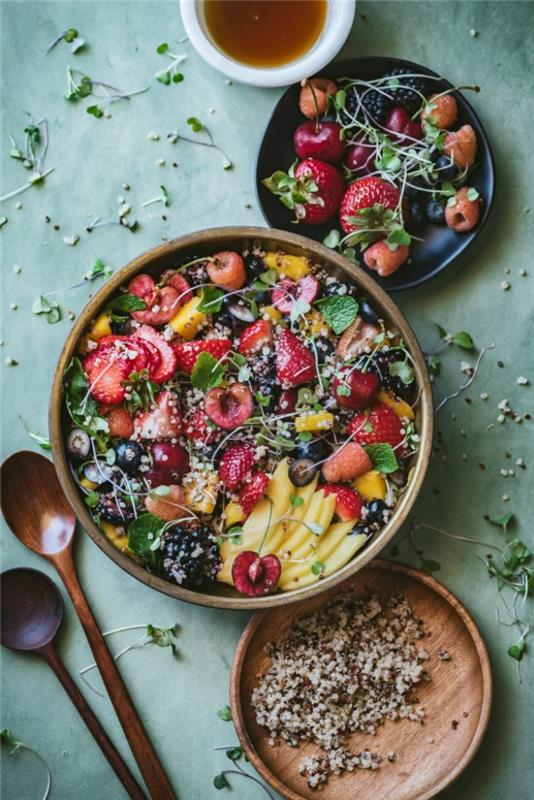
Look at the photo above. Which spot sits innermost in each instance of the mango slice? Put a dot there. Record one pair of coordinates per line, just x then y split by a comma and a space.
293, 267
371, 485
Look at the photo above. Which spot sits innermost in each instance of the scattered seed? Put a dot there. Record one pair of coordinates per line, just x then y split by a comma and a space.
18, 205
505, 286
430, 739
160, 162
71, 315
454, 724
47, 218
522, 381
55, 226
504, 472
500, 418
519, 462
228, 82
10, 362
482, 466
505, 498
511, 473
500, 364
126, 187
13, 306
153, 136
507, 271
522, 272
70, 241
473, 33
484, 395
464, 456
17, 269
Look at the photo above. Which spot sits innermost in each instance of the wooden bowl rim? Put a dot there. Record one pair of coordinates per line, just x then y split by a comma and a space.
432, 584
287, 242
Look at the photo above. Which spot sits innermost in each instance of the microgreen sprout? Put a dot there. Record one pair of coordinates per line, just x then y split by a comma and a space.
198, 127
170, 74
32, 155
70, 36
81, 86
46, 306
160, 198
468, 382
17, 746
235, 753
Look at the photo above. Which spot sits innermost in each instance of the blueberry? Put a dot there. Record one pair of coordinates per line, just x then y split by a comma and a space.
375, 511
435, 212
128, 455
262, 298
445, 169
416, 213
254, 266
240, 311
337, 288
324, 348
367, 312
302, 471
315, 449
78, 444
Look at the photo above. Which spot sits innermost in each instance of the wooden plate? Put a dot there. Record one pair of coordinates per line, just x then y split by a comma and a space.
457, 701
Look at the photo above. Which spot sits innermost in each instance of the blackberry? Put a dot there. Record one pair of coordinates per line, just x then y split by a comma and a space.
190, 553
337, 288
380, 364
405, 94
114, 508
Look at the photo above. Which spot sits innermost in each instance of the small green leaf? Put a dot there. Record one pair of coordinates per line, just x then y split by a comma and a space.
368, 426
177, 77
340, 98
162, 48
207, 372
342, 390
434, 365
305, 436
383, 457
163, 76
428, 566
92, 499
42, 441
195, 124
472, 194
125, 302
70, 35
504, 521
516, 650
97, 270
220, 781
295, 500
234, 753
269, 277
235, 534
398, 236
402, 370
463, 340
339, 311
96, 111
143, 533
225, 713
317, 568
442, 332
212, 300
332, 239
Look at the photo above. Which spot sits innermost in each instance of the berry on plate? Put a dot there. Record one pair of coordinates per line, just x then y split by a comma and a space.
313, 190
255, 576
187, 352
383, 259
380, 425
359, 201
461, 146
355, 389
319, 140
236, 463
346, 462
348, 501
440, 111
314, 96
295, 364
462, 215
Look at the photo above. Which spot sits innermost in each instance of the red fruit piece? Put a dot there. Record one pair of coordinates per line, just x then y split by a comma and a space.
172, 278
229, 408
131, 350
170, 457
347, 462
313, 190
288, 291
440, 111
187, 352
461, 146
398, 122
348, 501
313, 98
162, 421
253, 491
464, 214
382, 259
287, 401
236, 463
196, 428
366, 193
167, 366
255, 336
255, 576
359, 157
105, 372
363, 388
227, 270
380, 425
319, 140
356, 339
162, 304
295, 364
119, 420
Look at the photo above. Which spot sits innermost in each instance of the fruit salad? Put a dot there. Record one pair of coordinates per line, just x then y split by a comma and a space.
386, 157
245, 418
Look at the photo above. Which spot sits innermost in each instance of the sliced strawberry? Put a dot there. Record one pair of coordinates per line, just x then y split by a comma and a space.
128, 348
119, 420
196, 428
187, 352
348, 501
253, 491
380, 425
229, 408
105, 373
288, 291
295, 364
255, 576
172, 278
154, 355
255, 336
162, 421
355, 389
167, 366
236, 463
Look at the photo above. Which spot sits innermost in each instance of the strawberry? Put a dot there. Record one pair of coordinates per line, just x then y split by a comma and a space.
255, 576
133, 351
313, 190
105, 372
287, 291
461, 146
295, 364
348, 501
379, 425
196, 428
227, 269
162, 304
346, 462
253, 491
167, 366
236, 463
355, 389
255, 336
187, 352
119, 420
382, 259
163, 421
359, 201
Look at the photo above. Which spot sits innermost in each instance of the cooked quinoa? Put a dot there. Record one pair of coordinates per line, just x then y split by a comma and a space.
347, 667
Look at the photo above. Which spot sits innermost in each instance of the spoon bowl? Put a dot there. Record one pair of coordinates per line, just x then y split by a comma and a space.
32, 609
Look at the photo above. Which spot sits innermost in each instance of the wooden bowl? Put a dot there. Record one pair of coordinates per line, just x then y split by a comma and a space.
428, 757
204, 243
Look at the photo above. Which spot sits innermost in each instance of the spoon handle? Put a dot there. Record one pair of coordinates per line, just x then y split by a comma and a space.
154, 776
104, 742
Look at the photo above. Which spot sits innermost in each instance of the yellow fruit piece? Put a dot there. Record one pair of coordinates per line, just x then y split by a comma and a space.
271, 312
315, 324
322, 421
188, 320
295, 515
100, 327
87, 484
306, 540
336, 549
233, 514
293, 267
371, 485
400, 408
201, 496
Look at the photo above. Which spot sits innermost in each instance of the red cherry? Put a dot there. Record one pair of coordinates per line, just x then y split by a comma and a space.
287, 402
397, 119
359, 158
319, 140
414, 130
170, 457
255, 576
229, 408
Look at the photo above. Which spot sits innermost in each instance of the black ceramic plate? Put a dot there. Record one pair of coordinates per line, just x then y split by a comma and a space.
441, 245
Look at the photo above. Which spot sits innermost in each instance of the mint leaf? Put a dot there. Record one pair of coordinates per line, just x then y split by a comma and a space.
463, 340
383, 458
125, 302
162, 48
339, 311
143, 534
212, 300
402, 370
206, 373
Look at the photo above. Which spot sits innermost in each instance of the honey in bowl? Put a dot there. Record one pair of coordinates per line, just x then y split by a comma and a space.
265, 33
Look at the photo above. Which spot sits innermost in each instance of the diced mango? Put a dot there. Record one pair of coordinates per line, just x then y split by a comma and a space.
315, 324
321, 421
101, 327
233, 514
371, 485
271, 312
188, 320
400, 407
87, 484
202, 496
293, 267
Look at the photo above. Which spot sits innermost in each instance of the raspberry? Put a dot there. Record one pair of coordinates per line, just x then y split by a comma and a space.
347, 462
236, 463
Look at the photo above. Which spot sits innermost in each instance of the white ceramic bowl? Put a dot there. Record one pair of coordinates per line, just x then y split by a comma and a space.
339, 20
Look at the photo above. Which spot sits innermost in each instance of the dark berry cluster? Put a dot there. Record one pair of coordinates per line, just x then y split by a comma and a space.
408, 94
190, 553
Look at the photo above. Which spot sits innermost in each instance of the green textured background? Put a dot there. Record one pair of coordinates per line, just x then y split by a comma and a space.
178, 699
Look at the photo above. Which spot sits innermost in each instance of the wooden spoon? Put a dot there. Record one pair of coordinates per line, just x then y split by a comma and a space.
32, 610
39, 515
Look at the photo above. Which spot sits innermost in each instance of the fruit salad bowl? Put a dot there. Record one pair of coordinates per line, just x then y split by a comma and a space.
241, 418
